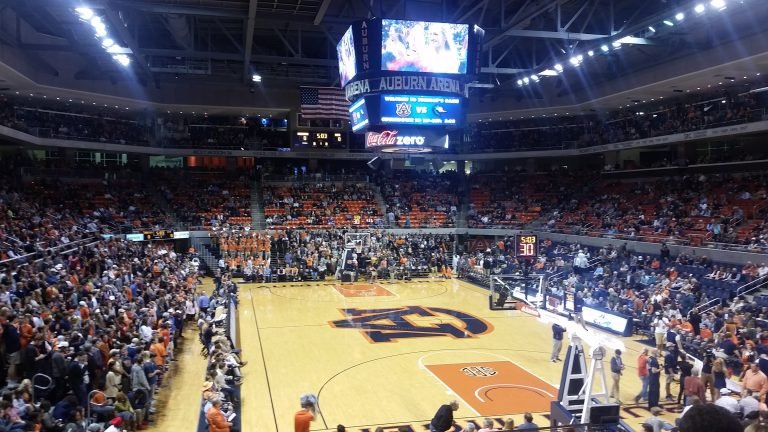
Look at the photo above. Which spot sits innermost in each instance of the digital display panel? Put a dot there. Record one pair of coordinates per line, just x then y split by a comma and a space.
606, 320
347, 60
421, 110
526, 245
417, 46
319, 139
358, 115
406, 141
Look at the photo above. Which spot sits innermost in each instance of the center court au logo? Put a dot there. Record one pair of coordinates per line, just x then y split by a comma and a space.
391, 324
478, 371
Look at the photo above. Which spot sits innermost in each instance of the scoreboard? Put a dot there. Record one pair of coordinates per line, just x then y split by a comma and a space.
526, 245
319, 139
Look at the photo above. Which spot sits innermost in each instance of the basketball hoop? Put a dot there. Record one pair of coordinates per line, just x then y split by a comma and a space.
357, 241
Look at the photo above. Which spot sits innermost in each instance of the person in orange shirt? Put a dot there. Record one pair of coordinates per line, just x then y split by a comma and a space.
158, 349
705, 332
26, 332
686, 326
85, 313
217, 422
305, 416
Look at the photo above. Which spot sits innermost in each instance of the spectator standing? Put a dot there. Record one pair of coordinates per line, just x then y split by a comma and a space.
693, 387
617, 367
642, 373
203, 302
754, 381
670, 368
686, 370
557, 342
654, 377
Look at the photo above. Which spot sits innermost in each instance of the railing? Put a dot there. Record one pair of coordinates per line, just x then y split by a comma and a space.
708, 306
315, 178
617, 236
74, 245
752, 286
49, 133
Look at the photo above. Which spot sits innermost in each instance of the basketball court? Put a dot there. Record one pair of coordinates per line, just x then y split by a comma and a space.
389, 354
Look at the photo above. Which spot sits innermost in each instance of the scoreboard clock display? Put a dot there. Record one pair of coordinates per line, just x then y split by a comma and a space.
526, 245
319, 139
158, 235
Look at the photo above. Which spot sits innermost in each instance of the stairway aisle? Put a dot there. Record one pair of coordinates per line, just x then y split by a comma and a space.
258, 220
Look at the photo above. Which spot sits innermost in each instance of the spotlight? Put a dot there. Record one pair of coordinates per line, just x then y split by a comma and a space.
616, 45
122, 59
106, 43
590, 53
526, 80
256, 78
114, 49
520, 83
680, 16
718, 4
535, 78
574, 61
700, 8
604, 48
652, 29
558, 67
580, 58
669, 23
84, 13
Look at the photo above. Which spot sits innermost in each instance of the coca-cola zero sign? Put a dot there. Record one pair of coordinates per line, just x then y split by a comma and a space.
392, 138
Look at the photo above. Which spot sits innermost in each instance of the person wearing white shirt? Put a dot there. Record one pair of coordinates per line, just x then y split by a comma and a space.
749, 404
762, 270
145, 333
660, 326
727, 401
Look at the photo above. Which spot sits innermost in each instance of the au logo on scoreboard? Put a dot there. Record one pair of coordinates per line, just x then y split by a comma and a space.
391, 324
403, 110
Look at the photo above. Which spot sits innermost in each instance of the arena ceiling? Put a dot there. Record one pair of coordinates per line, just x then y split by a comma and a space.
292, 42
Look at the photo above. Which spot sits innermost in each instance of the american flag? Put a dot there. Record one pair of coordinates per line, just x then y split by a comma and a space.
323, 103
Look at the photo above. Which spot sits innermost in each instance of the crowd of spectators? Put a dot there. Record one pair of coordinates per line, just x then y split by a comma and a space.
105, 316
228, 132
206, 198
220, 391
690, 309
306, 255
705, 111
516, 198
316, 205
420, 200
71, 122
46, 213
695, 208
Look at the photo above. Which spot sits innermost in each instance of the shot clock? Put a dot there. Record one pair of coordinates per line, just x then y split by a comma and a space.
526, 245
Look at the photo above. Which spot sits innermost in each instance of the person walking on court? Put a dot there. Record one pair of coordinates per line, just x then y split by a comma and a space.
617, 366
654, 379
306, 415
642, 373
443, 419
557, 342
